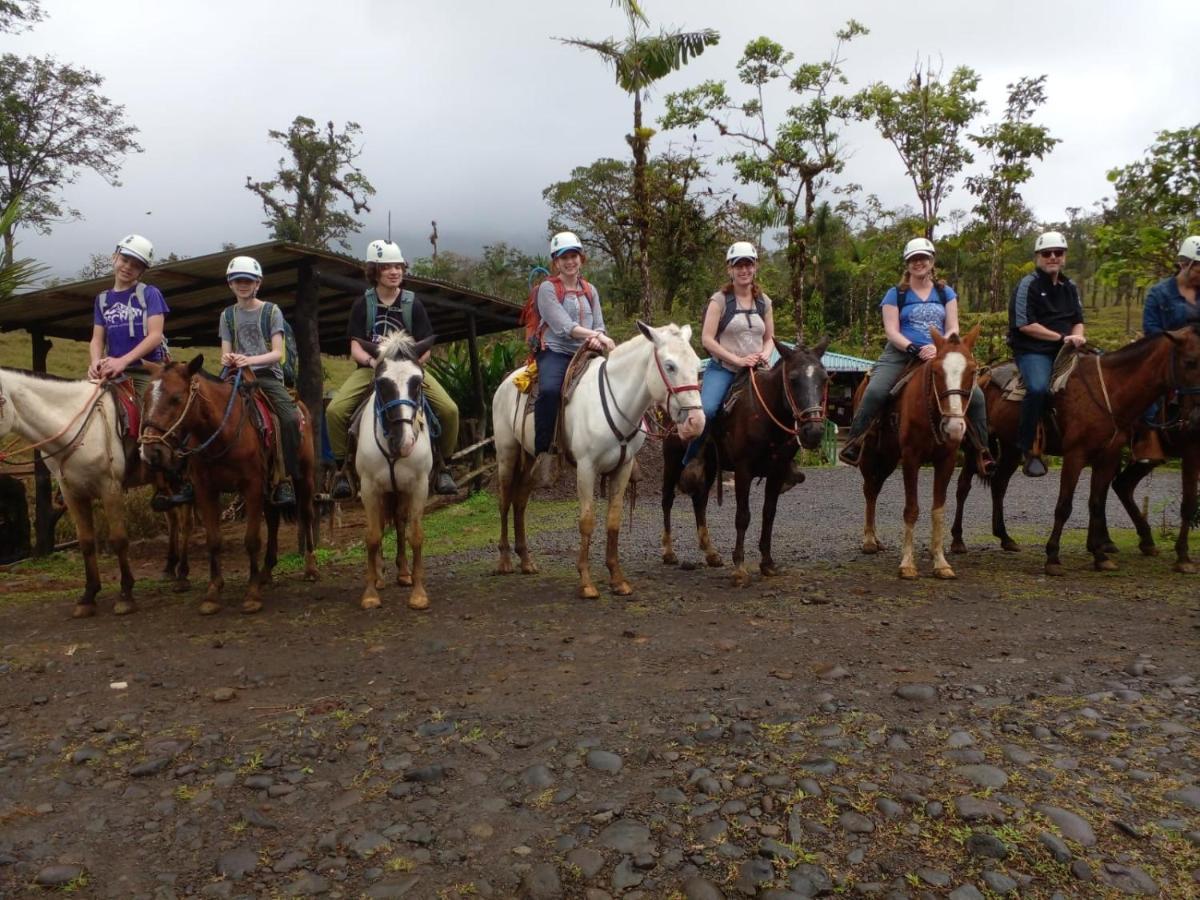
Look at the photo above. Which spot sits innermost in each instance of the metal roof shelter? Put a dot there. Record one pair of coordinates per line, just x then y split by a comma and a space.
196, 292
305, 282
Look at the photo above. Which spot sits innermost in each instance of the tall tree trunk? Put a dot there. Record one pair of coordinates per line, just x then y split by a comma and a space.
9, 244
641, 206
310, 378
796, 252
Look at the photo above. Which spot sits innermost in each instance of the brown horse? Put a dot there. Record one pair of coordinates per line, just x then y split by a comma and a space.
190, 414
1092, 418
931, 409
757, 438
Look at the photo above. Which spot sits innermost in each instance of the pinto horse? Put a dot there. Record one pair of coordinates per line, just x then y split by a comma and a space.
74, 425
931, 408
603, 431
1094, 414
753, 440
394, 462
190, 415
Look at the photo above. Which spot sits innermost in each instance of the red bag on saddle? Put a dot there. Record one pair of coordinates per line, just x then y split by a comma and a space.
532, 319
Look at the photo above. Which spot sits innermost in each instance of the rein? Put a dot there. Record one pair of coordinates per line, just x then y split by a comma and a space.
193, 392
89, 407
800, 418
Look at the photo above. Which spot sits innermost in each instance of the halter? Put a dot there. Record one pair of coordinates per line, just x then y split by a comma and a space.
938, 396
89, 407
381, 410
673, 389
193, 392
800, 417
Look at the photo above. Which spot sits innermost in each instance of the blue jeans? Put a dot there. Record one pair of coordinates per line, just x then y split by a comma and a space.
1035, 372
713, 390
552, 369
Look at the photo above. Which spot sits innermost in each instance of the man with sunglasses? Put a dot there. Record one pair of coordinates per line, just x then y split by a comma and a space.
1045, 313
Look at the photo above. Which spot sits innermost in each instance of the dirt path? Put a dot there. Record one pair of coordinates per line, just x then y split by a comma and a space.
831, 730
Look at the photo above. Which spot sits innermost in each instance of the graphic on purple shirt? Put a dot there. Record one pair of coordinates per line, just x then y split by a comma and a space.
124, 321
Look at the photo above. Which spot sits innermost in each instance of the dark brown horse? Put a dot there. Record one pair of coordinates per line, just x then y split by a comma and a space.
1091, 422
930, 410
190, 414
757, 438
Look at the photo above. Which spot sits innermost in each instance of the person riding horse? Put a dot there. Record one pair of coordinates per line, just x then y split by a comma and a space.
916, 304
383, 309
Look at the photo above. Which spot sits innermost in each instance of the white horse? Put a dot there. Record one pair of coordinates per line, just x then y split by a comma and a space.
74, 425
603, 434
393, 459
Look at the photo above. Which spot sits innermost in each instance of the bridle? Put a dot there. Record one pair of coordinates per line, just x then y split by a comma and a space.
624, 439
938, 410
386, 422
800, 417
177, 447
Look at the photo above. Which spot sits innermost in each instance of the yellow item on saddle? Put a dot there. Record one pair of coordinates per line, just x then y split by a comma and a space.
525, 378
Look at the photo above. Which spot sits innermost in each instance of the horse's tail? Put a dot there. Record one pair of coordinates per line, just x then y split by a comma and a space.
632, 497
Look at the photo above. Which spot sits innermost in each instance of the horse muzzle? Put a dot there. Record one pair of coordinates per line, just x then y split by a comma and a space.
954, 428
158, 456
693, 425
811, 434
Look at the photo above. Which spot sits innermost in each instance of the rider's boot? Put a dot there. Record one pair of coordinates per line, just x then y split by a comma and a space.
342, 488
852, 452
1147, 446
794, 477
284, 494
693, 480
544, 472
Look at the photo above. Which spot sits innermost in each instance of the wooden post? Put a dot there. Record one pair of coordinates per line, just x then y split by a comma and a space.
45, 518
308, 341
481, 402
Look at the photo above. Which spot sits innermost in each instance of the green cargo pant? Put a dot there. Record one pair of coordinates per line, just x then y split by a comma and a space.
351, 393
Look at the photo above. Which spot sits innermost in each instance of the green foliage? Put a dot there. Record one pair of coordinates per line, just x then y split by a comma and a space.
19, 15
924, 120
300, 201
17, 274
54, 126
453, 371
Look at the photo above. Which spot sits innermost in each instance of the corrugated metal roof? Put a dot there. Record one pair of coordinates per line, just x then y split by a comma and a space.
196, 292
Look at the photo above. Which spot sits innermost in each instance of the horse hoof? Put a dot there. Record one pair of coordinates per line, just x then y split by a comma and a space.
871, 547
504, 567
529, 568
670, 559
622, 589
249, 607
958, 547
908, 572
404, 579
208, 608
741, 578
1110, 547
713, 561
1185, 568
1009, 545
770, 571
1055, 570
944, 572
588, 592
370, 603
1106, 565
124, 607
83, 611
418, 601
1148, 549
181, 586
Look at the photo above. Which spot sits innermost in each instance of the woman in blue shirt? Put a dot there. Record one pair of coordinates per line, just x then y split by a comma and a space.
910, 309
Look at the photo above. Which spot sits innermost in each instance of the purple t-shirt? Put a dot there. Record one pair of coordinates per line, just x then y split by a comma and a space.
124, 322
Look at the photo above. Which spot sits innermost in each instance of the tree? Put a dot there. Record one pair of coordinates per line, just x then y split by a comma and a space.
638, 61
1012, 143
54, 125
319, 174
788, 162
301, 205
16, 274
19, 15
924, 121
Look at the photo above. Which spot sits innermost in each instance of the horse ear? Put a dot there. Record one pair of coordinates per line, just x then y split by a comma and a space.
370, 346
938, 340
195, 365
423, 345
647, 332
685, 332
781, 348
972, 336
155, 369
822, 346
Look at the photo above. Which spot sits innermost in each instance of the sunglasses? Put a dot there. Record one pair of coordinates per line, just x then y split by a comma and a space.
921, 257
1047, 254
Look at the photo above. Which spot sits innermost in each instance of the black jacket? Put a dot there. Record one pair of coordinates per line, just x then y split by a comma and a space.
1038, 299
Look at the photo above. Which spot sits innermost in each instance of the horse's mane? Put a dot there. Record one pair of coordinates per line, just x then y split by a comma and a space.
399, 345
671, 330
41, 376
1135, 348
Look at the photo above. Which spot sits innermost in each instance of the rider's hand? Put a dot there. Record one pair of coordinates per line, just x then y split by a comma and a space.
927, 352
233, 360
1077, 339
112, 367
94, 370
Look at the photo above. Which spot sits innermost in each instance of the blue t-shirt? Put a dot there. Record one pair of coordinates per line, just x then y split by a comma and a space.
124, 321
917, 315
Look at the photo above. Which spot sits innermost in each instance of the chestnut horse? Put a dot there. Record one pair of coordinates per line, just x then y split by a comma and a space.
931, 408
188, 414
780, 408
1092, 420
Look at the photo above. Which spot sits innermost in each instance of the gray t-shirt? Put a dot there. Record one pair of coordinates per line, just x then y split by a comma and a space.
744, 333
560, 318
250, 339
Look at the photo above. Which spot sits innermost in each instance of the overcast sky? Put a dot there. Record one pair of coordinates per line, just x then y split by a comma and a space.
470, 109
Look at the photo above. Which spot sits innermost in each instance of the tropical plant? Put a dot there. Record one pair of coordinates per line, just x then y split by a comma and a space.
452, 368
19, 273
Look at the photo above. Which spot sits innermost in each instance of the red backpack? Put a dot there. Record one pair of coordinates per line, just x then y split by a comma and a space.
532, 319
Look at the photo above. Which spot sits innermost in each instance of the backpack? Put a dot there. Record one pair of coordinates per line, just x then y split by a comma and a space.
532, 319
290, 360
139, 295
731, 310
902, 295
406, 309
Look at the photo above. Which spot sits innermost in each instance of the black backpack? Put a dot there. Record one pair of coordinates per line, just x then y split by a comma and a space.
731, 310
902, 295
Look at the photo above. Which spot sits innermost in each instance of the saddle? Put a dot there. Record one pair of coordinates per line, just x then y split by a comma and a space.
1007, 376
738, 389
262, 416
129, 408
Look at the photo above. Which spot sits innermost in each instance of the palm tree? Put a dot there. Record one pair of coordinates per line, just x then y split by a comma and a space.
638, 61
20, 273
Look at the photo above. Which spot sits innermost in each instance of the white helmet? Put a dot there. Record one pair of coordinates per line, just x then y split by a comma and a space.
243, 267
740, 250
1190, 248
1050, 240
562, 242
384, 252
136, 247
917, 246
